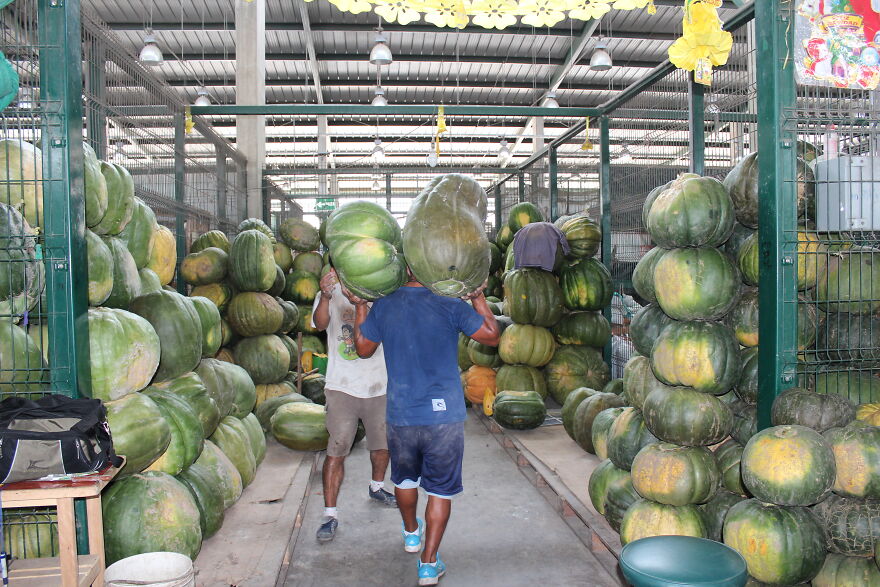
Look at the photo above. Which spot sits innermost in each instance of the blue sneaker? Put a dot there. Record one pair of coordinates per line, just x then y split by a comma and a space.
430, 573
412, 541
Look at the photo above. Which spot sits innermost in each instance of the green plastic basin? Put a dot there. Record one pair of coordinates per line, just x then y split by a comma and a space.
676, 561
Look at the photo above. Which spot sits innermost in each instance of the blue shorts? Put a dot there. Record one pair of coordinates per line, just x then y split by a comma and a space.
427, 456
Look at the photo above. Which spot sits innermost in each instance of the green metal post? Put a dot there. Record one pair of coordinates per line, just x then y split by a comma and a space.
179, 192
605, 195
388, 192
96, 117
554, 188
522, 186
696, 95
777, 214
497, 194
64, 206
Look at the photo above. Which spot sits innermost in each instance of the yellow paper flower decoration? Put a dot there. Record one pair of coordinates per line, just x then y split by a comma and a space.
542, 13
400, 11
448, 13
590, 9
352, 6
712, 45
495, 14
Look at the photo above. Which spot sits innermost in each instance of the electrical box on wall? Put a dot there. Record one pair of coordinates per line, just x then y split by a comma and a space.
848, 193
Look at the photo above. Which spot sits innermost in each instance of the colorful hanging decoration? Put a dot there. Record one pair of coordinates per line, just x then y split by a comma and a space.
187, 120
441, 128
703, 44
489, 14
587, 146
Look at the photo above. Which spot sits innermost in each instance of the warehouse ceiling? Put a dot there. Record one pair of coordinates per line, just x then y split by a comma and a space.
431, 66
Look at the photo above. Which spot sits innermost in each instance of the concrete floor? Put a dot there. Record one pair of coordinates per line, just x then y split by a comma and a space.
502, 532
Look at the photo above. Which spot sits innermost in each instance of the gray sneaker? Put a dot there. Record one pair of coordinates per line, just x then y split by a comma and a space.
383, 497
327, 530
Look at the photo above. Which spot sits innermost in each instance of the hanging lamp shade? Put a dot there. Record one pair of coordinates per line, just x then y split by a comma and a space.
203, 99
379, 97
600, 60
376, 187
151, 54
503, 149
381, 53
378, 150
432, 158
550, 100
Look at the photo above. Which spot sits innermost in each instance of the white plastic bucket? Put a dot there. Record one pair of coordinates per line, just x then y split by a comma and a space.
152, 569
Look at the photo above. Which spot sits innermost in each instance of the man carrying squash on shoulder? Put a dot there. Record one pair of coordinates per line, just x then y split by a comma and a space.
425, 419
355, 389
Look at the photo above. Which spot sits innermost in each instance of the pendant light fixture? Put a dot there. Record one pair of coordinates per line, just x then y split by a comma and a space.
550, 100
376, 187
378, 153
379, 97
203, 99
503, 149
381, 53
600, 60
151, 54
432, 158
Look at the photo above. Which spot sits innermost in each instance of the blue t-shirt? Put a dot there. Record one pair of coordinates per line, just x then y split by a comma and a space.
419, 331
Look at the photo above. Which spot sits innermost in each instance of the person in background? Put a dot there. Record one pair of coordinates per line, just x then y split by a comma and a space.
355, 390
419, 332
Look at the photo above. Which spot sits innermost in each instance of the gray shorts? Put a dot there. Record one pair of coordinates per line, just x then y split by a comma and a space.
343, 413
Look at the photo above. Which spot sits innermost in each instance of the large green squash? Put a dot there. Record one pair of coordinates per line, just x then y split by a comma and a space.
120, 200
860, 387
747, 387
301, 287
251, 262
310, 262
290, 313
675, 475
851, 525
258, 225
149, 281
205, 267
691, 212
300, 426
742, 183
521, 214
715, 511
781, 545
21, 178
283, 256
264, 357
140, 431
587, 328
583, 235
729, 457
313, 388
186, 432
299, 235
702, 355
849, 337
850, 283
639, 381
266, 409
219, 293
643, 274
179, 328
30, 535
224, 382
520, 378
231, 438
601, 430
737, 238
696, 284
204, 484
519, 410
526, 345
256, 436
149, 512
569, 408
602, 479
464, 361
209, 318
743, 318
139, 233
586, 285
585, 414
504, 237
100, 269
94, 184
856, 456
812, 259
619, 496
126, 280
645, 327
533, 296
190, 388
124, 354
574, 366
655, 193
444, 238
745, 421
788, 465
627, 436
842, 571
212, 238
813, 410
304, 324
22, 279
364, 242
484, 355
646, 518
683, 416
230, 479
495, 258
253, 313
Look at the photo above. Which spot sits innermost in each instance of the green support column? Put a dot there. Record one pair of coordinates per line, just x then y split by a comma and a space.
521, 178
497, 193
63, 223
388, 192
554, 188
605, 194
777, 214
179, 193
696, 122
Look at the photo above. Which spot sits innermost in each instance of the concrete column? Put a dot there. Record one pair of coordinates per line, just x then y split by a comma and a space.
323, 151
250, 90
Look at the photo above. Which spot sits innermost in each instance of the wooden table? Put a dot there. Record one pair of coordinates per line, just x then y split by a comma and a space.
67, 569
